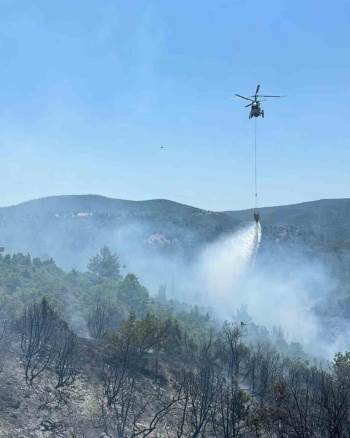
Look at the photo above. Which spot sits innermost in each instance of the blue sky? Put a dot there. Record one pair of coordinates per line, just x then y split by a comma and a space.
90, 90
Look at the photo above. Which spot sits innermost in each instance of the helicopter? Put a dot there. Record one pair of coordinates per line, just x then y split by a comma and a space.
255, 110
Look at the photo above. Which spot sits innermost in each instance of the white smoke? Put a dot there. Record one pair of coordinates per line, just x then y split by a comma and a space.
279, 288
278, 291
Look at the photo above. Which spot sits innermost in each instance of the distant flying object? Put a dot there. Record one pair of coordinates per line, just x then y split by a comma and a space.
255, 110
162, 147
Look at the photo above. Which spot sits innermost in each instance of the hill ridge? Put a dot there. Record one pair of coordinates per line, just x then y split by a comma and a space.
72, 227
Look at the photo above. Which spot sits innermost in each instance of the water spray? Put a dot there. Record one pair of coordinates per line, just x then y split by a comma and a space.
225, 262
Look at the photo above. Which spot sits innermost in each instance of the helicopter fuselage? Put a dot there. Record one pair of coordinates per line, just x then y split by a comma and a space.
256, 110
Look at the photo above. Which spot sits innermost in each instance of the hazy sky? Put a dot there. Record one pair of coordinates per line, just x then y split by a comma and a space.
90, 90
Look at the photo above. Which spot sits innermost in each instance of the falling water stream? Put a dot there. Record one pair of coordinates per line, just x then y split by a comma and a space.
225, 261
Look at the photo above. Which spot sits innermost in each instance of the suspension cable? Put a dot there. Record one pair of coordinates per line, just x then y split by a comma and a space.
255, 170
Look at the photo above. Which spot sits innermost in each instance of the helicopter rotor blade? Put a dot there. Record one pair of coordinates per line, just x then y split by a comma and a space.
257, 89
267, 95
249, 104
242, 97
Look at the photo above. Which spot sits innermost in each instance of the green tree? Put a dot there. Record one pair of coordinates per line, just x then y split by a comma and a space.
133, 295
105, 265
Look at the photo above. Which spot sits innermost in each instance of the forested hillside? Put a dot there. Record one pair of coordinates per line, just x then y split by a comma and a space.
92, 354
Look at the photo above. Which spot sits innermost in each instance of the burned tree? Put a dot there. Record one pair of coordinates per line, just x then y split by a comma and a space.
264, 367
125, 402
46, 343
233, 352
231, 410
118, 404
197, 394
37, 328
332, 396
118, 378
126, 395
99, 319
65, 357
3, 343
297, 414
